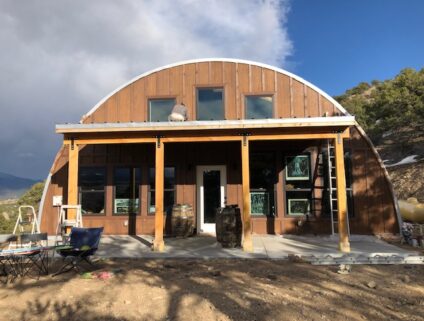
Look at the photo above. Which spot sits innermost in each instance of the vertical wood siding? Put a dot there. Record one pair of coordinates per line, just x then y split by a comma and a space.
373, 204
292, 98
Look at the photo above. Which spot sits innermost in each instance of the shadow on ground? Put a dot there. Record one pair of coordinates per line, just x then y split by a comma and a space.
220, 289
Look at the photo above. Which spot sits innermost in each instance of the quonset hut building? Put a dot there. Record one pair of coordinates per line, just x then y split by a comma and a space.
256, 136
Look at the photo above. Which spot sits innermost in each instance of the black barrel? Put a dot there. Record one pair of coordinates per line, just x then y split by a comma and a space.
182, 221
228, 226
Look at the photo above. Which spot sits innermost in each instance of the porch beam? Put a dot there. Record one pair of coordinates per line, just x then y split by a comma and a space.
247, 225
199, 139
311, 136
344, 245
192, 139
73, 152
117, 140
158, 243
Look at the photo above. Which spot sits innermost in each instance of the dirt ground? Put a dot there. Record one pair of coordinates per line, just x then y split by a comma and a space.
230, 289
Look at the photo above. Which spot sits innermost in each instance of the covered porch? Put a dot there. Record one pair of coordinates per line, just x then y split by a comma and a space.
243, 132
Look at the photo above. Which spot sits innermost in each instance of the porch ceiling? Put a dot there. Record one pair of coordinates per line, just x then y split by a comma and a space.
337, 122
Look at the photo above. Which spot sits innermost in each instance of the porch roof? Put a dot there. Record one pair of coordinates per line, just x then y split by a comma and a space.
336, 122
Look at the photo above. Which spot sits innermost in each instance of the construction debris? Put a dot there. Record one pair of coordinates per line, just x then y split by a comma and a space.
348, 259
344, 269
413, 234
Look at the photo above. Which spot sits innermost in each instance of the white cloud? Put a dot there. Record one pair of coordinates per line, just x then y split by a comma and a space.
58, 58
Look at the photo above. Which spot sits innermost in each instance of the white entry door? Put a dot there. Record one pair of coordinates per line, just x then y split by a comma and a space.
211, 189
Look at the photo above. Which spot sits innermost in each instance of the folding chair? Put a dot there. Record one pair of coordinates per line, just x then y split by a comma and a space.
83, 243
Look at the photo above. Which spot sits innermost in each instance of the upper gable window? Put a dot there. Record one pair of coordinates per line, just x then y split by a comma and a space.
160, 109
259, 107
210, 104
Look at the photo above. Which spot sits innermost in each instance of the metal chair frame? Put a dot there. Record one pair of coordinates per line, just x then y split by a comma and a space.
73, 256
23, 261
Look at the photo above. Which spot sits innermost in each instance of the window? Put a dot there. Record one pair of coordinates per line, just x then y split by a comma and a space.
210, 104
169, 190
298, 186
126, 194
259, 107
92, 190
262, 179
160, 109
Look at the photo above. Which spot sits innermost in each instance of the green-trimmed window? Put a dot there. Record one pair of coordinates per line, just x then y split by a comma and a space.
262, 179
298, 184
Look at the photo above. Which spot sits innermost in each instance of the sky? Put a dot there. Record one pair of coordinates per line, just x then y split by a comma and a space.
340, 43
59, 58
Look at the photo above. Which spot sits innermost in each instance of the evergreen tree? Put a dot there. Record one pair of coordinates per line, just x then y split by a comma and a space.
392, 107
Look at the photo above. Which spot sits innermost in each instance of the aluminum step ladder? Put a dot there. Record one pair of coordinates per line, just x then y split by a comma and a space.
31, 221
64, 224
25, 224
332, 190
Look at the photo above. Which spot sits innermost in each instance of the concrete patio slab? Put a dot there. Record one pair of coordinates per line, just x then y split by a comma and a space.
265, 246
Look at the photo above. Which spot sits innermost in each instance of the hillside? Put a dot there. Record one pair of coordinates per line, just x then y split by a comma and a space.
392, 113
9, 208
12, 186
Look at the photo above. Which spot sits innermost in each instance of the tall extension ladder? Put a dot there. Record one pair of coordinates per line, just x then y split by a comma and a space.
332, 189
64, 224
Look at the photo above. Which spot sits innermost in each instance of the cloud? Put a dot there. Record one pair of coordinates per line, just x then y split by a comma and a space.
58, 58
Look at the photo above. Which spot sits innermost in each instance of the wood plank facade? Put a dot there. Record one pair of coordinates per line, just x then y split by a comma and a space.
372, 201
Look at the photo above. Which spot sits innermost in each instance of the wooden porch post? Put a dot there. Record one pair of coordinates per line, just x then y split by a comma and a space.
158, 243
247, 226
72, 179
344, 244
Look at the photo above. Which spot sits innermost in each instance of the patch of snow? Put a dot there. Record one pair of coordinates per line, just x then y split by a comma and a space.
407, 160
